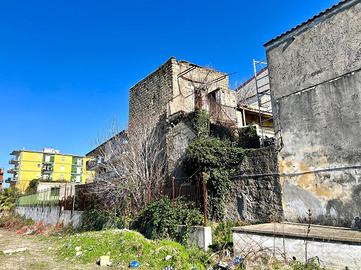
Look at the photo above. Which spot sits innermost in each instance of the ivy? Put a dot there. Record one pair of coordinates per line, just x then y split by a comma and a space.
218, 151
160, 219
219, 159
248, 138
200, 123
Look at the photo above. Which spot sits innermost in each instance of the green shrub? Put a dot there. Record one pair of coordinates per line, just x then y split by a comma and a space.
219, 159
248, 138
312, 264
160, 220
222, 236
200, 122
7, 199
33, 186
96, 220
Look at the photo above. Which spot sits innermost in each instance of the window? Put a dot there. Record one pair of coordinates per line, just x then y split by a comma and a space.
62, 168
38, 165
62, 159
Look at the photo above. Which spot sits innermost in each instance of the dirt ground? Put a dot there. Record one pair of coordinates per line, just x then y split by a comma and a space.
40, 254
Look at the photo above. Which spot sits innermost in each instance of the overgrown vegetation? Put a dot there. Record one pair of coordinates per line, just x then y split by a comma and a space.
95, 220
160, 219
8, 199
219, 159
248, 138
200, 123
33, 186
219, 156
124, 246
14, 222
222, 240
266, 262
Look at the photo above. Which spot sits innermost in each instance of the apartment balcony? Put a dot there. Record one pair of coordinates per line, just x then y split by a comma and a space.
12, 170
94, 163
14, 161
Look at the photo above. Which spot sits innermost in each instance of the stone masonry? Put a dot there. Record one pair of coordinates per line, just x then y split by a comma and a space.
177, 88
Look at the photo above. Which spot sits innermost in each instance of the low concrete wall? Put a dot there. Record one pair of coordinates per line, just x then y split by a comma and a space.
334, 253
51, 215
198, 236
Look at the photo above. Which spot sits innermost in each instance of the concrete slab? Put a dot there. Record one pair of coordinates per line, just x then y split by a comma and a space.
334, 247
298, 230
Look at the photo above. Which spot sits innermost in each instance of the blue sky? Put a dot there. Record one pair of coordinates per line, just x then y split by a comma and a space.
66, 66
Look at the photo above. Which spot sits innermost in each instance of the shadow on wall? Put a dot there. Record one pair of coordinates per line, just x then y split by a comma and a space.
337, 212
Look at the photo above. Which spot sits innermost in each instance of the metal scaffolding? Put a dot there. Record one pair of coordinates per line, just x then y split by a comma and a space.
263, 93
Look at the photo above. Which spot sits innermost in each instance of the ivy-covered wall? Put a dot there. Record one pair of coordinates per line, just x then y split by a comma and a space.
228, 157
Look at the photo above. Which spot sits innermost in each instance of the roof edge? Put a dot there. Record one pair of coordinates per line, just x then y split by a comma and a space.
300, 28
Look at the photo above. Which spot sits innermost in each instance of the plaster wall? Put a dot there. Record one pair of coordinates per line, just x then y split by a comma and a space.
334, 255
316, 85
51, 215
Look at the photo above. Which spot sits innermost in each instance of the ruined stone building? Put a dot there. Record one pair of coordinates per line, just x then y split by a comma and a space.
175, 89
181, 87
315, 77
178, 88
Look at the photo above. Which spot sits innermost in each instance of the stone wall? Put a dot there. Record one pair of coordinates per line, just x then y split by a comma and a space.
177, 88
316, 84
256, 196
149, 98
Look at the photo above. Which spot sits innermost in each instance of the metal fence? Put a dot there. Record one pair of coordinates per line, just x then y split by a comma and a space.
41, 198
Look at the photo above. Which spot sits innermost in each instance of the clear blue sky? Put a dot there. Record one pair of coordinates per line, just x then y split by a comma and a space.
66, 66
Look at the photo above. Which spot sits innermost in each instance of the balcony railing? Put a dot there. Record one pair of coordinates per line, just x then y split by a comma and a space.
12, 170
13, 161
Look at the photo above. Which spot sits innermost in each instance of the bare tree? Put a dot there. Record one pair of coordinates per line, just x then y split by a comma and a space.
132, 167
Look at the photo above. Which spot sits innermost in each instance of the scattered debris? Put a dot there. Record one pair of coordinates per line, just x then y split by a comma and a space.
223, 265
38, 228
238, 260
134, 264
168, 257
11, 251
104, 261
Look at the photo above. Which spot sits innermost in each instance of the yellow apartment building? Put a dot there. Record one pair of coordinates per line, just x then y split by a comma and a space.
48, 165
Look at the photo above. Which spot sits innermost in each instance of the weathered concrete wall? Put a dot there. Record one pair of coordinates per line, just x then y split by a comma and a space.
322, 50
51, 215
331, 254
316, 84
256, 198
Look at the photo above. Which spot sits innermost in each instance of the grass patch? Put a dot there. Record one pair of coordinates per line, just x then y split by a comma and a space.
125, 246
